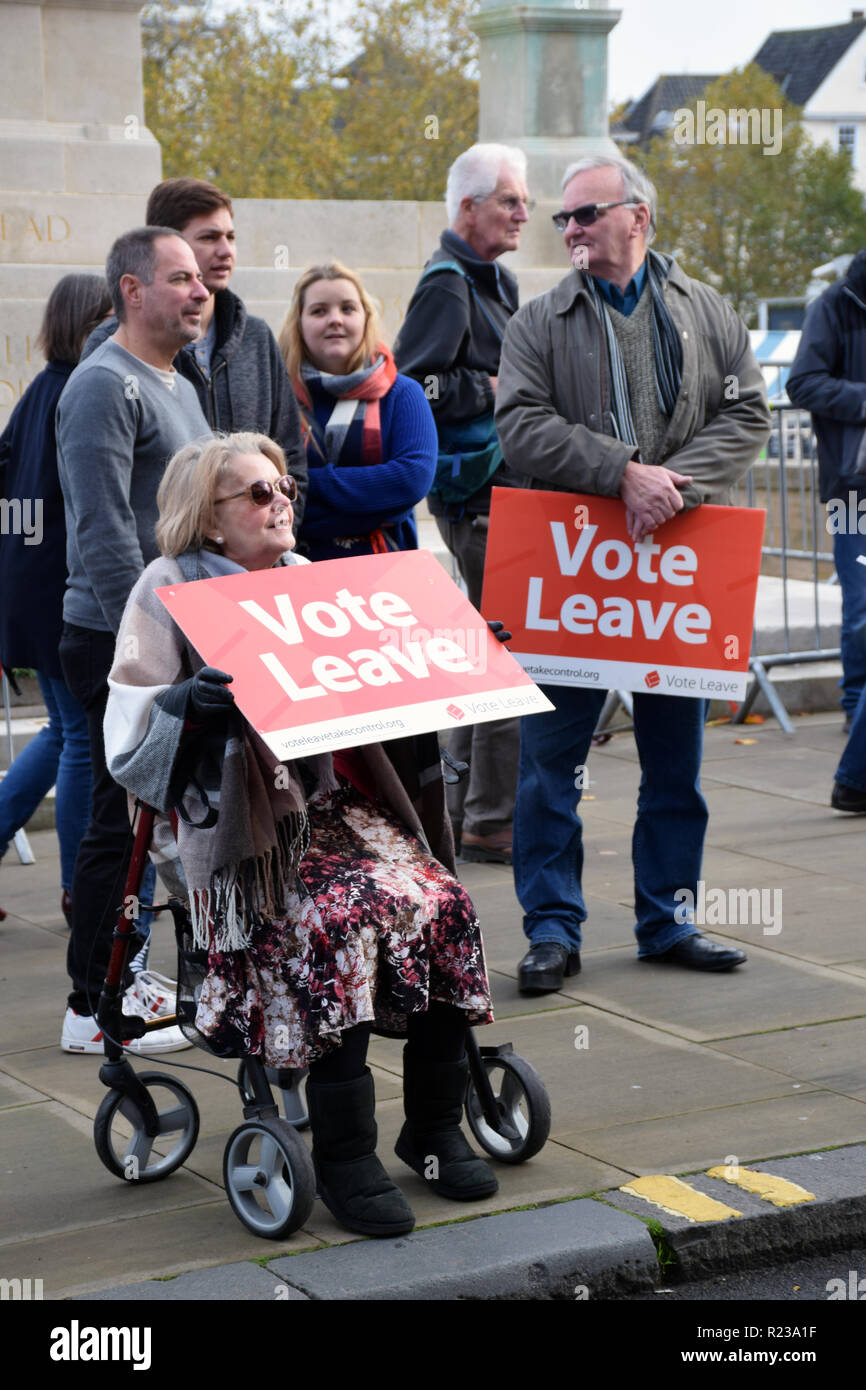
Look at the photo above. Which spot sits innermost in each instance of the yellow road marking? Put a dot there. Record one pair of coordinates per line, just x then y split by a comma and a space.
678, 1199
778, 1191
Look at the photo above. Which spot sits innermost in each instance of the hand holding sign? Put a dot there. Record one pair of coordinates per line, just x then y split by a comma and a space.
650, 496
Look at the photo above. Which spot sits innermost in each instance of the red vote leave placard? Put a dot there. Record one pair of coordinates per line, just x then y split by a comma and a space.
345, 652
589, 606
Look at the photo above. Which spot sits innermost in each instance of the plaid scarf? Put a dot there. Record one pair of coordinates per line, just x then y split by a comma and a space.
667, 350
357, 399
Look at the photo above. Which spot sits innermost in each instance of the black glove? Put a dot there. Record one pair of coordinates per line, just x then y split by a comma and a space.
208, 693
498, 630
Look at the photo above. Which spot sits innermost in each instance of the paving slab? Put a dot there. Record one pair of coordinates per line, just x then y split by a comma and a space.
51, 1196
830, 1055
764, 824
605, 1071
811, 1119
114, 1253
522, 1255
780, 992
840, 852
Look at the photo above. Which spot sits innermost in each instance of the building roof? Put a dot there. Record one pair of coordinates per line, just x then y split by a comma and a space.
800, 59
667, 94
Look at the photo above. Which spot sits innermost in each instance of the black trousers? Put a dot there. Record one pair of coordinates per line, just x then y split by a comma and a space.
103, 857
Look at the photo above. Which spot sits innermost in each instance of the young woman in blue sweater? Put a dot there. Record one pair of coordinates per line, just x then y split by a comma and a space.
370, 436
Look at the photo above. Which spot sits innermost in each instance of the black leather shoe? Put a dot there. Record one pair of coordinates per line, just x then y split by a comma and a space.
848, 799
698, 953
544, 967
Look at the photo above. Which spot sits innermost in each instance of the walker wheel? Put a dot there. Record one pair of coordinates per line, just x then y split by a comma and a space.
269, 1178
523, 1105
294, 1108
122, 1141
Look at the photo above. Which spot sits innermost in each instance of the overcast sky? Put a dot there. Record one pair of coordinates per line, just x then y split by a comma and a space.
663, 36
668, 36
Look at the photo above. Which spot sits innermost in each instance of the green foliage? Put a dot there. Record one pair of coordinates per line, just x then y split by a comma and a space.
752, 224
262, 101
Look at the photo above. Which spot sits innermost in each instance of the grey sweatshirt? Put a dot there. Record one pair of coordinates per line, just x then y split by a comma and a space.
118, 424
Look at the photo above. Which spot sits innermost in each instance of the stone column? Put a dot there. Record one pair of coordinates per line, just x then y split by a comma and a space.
544, 83
76, 160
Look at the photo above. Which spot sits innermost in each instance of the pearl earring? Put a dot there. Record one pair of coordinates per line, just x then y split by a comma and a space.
219, 540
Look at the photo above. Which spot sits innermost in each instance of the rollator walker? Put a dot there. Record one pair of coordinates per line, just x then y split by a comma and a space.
148, 1123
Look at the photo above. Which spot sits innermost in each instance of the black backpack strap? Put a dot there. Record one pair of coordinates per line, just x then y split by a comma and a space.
455, 265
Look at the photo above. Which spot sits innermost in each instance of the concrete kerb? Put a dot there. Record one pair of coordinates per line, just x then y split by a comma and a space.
607, 1247
571, 1250
764, 1234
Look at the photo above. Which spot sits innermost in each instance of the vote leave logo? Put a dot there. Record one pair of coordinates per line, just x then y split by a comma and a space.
589, 606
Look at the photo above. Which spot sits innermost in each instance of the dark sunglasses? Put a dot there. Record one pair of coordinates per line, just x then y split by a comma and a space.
589, 213
262, 493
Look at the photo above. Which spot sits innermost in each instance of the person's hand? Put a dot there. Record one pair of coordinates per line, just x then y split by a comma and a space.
651, 497
208, 693
498, 630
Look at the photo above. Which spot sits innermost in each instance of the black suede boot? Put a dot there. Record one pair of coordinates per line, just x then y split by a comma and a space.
351, 1181
431, 1141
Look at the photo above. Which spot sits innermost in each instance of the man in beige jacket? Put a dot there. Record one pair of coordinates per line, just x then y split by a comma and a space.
628, 379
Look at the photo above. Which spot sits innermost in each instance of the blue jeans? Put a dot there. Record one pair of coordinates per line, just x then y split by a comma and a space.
668, 837
852, 767
852, 580
58, 755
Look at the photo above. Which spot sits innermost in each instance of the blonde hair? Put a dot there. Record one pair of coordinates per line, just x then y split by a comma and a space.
191, 481
291, 339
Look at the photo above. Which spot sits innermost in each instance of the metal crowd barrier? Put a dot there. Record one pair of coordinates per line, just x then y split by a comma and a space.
796, 545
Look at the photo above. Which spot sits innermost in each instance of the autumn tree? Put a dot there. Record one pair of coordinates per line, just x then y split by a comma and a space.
241, 98
265, 101
410, 103
751, 223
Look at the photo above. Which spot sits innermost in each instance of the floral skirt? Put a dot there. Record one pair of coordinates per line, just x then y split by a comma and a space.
377, 930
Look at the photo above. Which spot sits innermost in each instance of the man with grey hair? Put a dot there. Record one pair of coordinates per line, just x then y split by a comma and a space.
628, 379
123, 413
450, 342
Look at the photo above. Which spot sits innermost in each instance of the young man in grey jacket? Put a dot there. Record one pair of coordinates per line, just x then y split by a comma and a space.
235, 366
634, 381
123, 413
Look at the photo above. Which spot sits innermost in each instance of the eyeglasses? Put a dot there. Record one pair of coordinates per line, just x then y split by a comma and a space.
511, 203
589, 213
262, 493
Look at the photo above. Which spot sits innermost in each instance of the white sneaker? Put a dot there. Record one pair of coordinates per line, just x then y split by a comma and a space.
81, 1033
151, 995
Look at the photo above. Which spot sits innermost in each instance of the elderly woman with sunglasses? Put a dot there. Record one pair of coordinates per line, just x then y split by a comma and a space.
316, 894
370, 435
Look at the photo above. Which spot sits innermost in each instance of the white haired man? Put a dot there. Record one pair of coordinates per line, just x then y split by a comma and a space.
450, 342
614, 383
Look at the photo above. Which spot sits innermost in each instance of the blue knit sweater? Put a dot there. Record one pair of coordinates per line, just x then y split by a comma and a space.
351, 499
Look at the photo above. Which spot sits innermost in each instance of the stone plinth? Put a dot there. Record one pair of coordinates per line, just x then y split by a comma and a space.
544, 83
71, 100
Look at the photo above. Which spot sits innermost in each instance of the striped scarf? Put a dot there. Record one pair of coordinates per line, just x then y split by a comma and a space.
667, 350
357, 398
